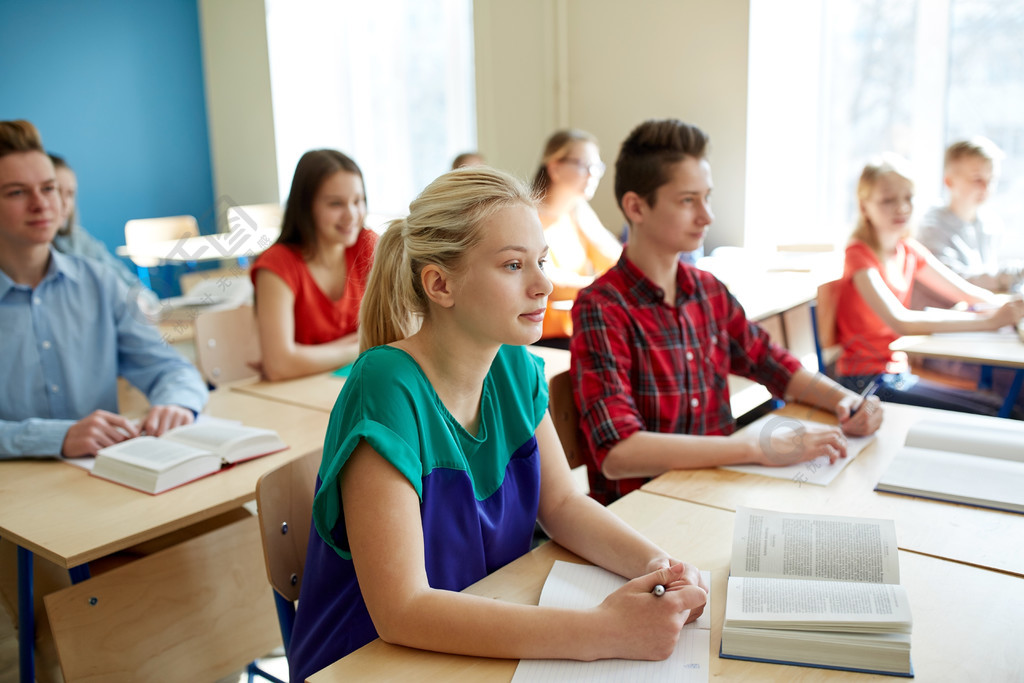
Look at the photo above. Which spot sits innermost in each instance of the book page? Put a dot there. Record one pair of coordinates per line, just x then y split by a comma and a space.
958, 478
151, 453
798, 546
816, 605
817, 471
580, 586
1001, 439
230, 442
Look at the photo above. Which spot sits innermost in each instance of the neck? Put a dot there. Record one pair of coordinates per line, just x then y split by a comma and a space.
330, 256
26, 265
455, 366
965, 211
659, 266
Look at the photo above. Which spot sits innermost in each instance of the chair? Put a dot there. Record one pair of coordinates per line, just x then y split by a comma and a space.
255, 217
565, 417
823, 322
227, 345
142, 231
285, 500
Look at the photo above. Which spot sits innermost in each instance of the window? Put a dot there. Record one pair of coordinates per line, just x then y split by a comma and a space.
389, 83
834, 82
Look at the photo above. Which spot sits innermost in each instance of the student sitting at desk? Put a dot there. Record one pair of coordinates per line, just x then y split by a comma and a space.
309, 285
581, 247
68, 329
654, 339
956, 233
883, 264
440, 456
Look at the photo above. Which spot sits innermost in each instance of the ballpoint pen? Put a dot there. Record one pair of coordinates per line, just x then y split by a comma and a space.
868, 392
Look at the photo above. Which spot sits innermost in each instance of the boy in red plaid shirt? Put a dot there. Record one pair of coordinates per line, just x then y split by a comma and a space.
655, 339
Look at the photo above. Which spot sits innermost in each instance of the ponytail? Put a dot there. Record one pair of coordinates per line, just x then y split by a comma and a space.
385, 314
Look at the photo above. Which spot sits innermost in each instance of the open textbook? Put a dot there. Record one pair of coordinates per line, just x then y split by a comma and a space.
817, 471
580, 586
961, 463
156, 464
817, 590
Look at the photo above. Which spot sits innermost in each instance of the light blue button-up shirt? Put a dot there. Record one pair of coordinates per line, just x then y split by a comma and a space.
62, 346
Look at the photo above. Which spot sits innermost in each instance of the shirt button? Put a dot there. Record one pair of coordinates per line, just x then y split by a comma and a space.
37, 300
694, 402
689, 355
54, 388
46, 344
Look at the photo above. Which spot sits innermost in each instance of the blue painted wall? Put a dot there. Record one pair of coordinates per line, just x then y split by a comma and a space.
115, 87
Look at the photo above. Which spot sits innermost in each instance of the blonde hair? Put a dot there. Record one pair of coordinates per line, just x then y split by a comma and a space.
442, 225
978, 147
885, 165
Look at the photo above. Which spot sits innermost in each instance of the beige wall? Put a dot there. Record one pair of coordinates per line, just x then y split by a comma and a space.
238, 105
606, 65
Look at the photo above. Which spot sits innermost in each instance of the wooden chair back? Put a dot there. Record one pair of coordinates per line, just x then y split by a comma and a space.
565, 416
227, 345
825, 310
285, 500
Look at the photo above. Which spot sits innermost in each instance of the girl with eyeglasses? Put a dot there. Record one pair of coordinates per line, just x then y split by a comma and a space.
581, 247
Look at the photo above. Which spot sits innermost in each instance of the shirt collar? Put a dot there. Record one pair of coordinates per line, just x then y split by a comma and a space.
59, 266
645, 291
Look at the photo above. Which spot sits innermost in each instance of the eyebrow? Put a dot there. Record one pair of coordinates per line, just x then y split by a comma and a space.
521, 249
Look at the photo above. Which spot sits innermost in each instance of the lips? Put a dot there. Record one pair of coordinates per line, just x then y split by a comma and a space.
534, 316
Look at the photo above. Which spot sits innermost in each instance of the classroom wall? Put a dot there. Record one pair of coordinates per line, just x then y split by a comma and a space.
116, 88
605, 66
240, 113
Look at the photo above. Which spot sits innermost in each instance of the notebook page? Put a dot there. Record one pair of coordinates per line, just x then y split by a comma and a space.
581, 586
817, 471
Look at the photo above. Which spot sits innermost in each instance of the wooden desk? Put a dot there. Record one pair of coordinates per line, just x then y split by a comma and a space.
1004, 349
320, 392
956, 632
955, 532
238, 243
63, 514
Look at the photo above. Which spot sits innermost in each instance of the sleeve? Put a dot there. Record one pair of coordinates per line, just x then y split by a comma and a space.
95, 249
278, 261
148, 362
752, 353
35, 438
858, 257
602, 374
385, 415
602, 248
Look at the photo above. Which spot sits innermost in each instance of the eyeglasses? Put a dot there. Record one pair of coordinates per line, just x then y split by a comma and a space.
596, 169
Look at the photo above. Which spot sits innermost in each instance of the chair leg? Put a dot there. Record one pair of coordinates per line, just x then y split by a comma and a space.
252, 670
1012, 394
985, 378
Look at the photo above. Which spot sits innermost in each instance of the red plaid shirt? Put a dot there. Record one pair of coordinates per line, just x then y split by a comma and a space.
640, 364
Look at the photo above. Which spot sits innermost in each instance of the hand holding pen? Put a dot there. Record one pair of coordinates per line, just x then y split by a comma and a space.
868, 392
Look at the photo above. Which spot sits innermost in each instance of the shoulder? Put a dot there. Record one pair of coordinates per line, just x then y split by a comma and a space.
517, 377
914, 247
609, 288
283, 260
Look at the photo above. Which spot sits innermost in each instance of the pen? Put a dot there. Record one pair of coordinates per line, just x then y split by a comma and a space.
868, 392
658, 591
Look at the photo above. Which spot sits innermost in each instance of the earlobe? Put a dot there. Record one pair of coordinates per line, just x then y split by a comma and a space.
437, 285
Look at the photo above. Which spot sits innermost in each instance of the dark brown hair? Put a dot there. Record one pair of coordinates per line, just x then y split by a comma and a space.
316, 166
555, 147
645, 156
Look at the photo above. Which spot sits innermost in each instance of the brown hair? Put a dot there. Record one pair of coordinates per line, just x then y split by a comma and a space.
649, 150
876, 169
58, 163
555, 147
297, 225
442, 225
978, 147
19, 136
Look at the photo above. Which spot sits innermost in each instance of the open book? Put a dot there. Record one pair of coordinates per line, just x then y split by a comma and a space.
817, 471
156, 464
581, 586
961, 464
817, 590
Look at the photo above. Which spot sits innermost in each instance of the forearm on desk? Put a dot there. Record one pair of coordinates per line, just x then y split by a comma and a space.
32, 438
648, 454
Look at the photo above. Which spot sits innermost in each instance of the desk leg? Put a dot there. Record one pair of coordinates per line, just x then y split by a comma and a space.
1012, 394
26, 617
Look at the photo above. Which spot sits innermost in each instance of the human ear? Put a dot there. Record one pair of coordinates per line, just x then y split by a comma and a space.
438, 286
633, 206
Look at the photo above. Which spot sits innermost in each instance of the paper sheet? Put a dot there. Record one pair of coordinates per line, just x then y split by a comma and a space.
817, 471
581, 586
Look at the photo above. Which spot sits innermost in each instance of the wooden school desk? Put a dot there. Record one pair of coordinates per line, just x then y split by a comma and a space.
61, 513
956, 532
319, 392
1004, 349
964, 617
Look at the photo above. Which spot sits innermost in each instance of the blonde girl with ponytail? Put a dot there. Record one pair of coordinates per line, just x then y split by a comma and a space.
440, 457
